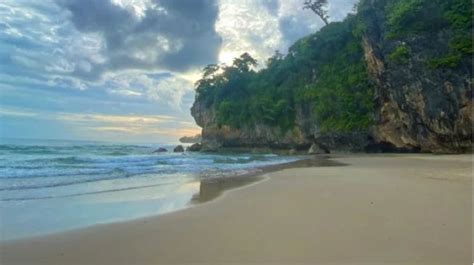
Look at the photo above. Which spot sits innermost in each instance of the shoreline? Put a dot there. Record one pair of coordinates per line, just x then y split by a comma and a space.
209, 189
260, 223
224, 184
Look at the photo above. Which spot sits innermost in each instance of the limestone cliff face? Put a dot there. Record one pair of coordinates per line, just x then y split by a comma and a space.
418, 107
254, 136
301, 137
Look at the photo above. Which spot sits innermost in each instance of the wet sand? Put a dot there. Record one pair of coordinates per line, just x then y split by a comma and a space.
378, 209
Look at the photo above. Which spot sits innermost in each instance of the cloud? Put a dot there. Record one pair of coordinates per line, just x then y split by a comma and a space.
272, 6
89, 118
107, 126
138, 125
120, 119
165, 89
6, 112
173, 133
248, 26
83, 43
338, 9
153, 35
262, 26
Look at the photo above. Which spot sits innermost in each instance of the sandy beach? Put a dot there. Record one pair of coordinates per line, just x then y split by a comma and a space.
377, 209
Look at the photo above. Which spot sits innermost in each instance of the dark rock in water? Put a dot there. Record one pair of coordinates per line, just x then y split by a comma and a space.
316, 149
195, 147
178, 149
160, 150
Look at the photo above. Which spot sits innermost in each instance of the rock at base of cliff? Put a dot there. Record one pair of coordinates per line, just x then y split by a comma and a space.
178, 149
195, 147
316, 149
160, 150
292, 152
210, 146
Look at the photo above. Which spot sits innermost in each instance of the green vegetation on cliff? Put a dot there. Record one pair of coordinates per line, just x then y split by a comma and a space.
400, 55
337, 84
410, 17
326, 73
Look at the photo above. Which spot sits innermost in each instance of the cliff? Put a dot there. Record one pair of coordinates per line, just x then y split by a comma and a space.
422, 103
395, 77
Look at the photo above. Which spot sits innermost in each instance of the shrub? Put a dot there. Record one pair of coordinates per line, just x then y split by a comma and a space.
400, 55
450, 61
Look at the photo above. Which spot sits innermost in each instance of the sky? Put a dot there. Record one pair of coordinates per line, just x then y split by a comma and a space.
123, 70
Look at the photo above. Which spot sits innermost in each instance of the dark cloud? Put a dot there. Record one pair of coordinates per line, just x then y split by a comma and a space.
170, 35
94, 15
293, 29
305, 22
272, 6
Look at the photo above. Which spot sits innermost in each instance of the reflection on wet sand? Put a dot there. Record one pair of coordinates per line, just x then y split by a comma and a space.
210, 189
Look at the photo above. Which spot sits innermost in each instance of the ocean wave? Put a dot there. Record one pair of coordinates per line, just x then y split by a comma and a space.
59, 183
232, 160
26, 171
82, 193
74, 149
27, 149
74, 164
47, 172
106, 159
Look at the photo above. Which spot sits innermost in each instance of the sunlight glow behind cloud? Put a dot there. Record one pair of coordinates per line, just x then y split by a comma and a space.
108, 68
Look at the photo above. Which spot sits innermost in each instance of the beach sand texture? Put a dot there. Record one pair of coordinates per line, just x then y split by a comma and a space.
377, 209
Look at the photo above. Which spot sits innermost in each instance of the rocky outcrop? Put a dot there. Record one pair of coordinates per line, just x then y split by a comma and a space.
190, 139
418, 107
160, 150
316, 149
194, 147
178, 149
215, 137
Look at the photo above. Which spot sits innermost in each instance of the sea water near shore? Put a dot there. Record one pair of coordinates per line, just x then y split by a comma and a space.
53, 186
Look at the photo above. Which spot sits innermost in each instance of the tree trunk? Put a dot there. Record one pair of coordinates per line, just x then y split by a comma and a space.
325, 20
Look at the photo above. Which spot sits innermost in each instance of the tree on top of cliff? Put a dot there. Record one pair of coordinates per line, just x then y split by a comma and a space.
210, 75
244, 63
319, 8
277, 57
210, 70
220, 81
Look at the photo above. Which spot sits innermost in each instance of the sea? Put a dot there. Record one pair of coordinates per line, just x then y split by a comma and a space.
50, 186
